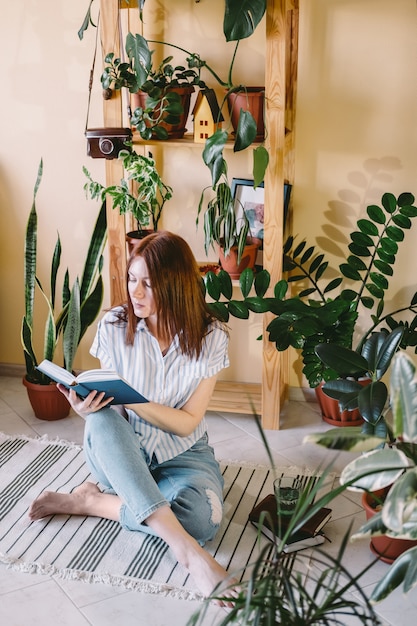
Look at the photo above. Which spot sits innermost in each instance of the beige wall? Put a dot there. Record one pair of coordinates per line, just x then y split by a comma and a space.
356, 136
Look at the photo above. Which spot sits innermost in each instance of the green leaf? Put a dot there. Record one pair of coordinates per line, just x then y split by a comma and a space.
386, 258
376, 214
404, 569
359, 250
389, 202
395, 233
86, 22
241, 18
262, 282
257, 305
349, 272
226, 286
388, 245
374, 470
281, 288
404, 397
315, 263
238, 309
401, 221
214, 145
356, 263
371, 401
374, 290
137, 50
260, 163
409, 211
367, 227
321, 270
383, 267
360, 239
367, 302
72, 331
246, 281
343, 360
405, 199
333, 284
298, 250
212, 283
349, 438
245, 132
307, 255
220, 310
379, 280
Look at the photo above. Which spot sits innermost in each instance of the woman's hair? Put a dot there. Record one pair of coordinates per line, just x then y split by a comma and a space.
177, 290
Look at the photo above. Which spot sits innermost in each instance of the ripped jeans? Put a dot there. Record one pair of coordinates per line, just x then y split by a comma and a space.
191, 483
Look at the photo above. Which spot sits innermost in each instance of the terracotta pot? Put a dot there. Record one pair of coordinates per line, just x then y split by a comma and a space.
175, 131
47, 402
386, 548
331, 413
252, 99
229, 263
135, 237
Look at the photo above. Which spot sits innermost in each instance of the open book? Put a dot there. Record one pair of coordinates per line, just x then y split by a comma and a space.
99, 380
274, 526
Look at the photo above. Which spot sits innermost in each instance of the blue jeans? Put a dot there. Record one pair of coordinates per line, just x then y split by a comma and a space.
190, 483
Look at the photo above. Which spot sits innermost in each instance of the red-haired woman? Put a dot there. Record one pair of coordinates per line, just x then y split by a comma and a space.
153, 461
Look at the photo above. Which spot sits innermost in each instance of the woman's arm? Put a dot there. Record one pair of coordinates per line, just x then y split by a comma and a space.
181, 422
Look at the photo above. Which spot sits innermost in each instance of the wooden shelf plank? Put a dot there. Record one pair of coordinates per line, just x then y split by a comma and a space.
234, 397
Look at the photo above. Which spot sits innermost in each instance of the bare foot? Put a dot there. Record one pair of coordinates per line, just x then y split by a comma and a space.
211, 577
76, 503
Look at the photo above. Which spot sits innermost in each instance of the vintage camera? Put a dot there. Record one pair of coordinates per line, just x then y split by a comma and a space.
106, 143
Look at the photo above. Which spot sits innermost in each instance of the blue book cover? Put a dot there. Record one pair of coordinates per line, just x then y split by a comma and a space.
99, 380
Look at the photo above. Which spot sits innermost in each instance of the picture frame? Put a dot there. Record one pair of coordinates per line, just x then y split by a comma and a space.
251, 202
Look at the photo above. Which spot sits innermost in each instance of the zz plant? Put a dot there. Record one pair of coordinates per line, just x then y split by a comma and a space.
313, 316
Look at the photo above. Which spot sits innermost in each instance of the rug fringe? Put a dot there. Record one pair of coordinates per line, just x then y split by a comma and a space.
129, 584
71, 445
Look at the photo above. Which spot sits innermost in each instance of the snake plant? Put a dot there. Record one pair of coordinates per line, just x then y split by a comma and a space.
80, 302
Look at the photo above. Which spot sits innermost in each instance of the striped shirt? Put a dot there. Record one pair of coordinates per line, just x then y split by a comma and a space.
169, 380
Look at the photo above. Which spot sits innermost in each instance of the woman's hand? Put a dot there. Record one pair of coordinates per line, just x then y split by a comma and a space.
84, 406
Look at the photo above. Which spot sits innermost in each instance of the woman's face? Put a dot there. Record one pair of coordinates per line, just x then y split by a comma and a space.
140, 289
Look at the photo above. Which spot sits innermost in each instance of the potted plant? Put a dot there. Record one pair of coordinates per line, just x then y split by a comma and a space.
358, 383
386, 472
160, 96
237, 250
312, 316
80, 306
303, 587
144, 202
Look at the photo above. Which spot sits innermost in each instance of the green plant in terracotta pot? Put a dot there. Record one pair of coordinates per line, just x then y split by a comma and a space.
230, 233
142, 193
160, 95
80, 302
358, 382
387, 472
312, 315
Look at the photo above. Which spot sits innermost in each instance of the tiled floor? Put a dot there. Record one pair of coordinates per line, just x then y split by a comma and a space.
29, 599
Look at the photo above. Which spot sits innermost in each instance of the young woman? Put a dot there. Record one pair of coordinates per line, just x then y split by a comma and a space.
158, 472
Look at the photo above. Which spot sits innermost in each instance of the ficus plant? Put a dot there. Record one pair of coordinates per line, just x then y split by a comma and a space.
388, 462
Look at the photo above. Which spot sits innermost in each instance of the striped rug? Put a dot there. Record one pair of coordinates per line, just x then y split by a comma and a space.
96, 550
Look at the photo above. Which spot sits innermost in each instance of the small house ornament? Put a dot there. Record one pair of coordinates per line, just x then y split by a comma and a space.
206, 115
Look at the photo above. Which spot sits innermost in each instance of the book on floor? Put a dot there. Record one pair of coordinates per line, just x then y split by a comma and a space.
274, 526
97, 379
